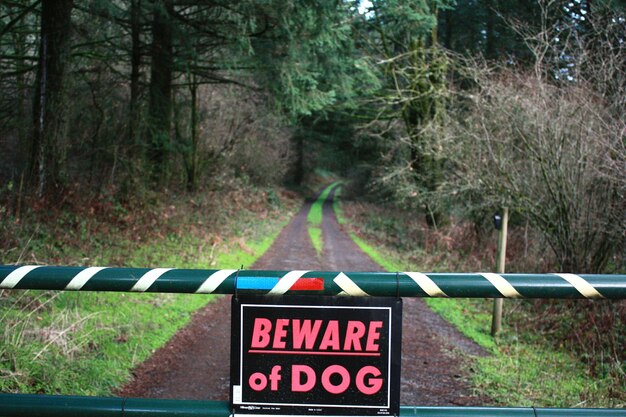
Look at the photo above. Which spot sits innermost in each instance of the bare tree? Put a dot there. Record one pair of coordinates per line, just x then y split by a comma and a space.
551, 146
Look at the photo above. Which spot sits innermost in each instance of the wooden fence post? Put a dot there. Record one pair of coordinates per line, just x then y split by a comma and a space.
496, 320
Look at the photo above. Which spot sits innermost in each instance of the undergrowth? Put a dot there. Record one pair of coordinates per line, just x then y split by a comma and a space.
533, 361
86, 342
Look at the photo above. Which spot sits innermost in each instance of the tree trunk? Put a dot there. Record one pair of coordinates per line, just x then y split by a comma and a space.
192, 171
47, 157
298, 171
135, 62
447, 39
160, 107
21, 88
424, 108
490, 42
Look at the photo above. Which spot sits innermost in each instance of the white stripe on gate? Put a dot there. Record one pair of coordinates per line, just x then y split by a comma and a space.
214, 281
426, 284
286, 282
11, 280
82, 277
148, 279
348, 286
502, 285
582, 286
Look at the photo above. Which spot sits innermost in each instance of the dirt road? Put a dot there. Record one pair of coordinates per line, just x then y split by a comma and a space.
194, 364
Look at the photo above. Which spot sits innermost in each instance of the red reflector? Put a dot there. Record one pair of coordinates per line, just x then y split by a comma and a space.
308, 284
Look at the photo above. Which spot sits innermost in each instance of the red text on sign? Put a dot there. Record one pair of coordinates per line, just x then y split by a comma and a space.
335, 379
311, 334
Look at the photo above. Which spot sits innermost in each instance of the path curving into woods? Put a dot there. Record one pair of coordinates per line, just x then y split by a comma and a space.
195, 363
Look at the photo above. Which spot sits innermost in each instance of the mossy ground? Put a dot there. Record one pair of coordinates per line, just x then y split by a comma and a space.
523, 369
86, 343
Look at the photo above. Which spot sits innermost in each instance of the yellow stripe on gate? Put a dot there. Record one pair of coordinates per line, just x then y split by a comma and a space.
502, 285
582, 286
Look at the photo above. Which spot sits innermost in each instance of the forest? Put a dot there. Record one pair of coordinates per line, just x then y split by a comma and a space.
435, 114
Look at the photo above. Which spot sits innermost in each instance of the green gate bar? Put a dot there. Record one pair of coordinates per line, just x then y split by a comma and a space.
403, 284
28, 405
230, 281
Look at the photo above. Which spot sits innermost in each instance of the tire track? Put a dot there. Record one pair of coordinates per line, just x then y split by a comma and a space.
195, 363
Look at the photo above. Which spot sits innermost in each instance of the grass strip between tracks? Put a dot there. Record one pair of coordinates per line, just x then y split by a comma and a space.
314, 219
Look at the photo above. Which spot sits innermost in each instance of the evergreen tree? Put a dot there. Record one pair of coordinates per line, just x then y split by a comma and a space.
404, 37
487, 27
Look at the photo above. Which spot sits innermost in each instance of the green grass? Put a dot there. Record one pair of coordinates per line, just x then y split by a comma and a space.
315, 213
523, 373
314, 219
337, 206
520, 370
315, 234
86, 343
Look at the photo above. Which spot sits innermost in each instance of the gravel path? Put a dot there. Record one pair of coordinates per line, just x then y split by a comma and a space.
194, 364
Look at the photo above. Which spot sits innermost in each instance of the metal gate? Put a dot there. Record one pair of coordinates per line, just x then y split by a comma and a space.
229, 281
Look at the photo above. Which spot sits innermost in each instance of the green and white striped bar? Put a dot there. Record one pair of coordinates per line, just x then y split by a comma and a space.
224, 281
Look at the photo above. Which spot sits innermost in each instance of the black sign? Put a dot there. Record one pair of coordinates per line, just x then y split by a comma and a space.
308, 355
